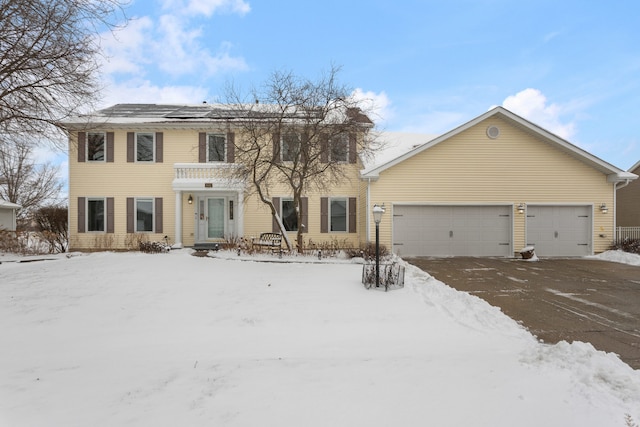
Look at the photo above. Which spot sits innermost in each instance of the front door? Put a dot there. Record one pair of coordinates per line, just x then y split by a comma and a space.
211, 218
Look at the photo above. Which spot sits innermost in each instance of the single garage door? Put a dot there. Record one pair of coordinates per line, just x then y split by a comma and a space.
559, 230
452, 230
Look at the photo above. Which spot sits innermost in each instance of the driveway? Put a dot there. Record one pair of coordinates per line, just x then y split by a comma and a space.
572, 299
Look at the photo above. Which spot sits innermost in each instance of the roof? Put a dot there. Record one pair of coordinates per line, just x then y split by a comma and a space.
8, 205
634, 167
128, 114
613, 173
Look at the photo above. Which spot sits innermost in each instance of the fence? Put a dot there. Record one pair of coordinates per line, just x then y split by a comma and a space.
627, 233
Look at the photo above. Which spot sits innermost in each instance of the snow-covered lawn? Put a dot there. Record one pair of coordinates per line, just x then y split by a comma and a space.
128, 339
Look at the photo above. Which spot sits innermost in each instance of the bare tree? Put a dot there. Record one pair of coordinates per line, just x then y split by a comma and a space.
52, 223
302, 133
49, 59
23, 181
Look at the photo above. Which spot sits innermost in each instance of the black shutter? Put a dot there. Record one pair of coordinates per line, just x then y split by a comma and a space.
81, 215
276, 147
324, 214
82, 145
304, 216
231, 147
202, 147
352, 214
158, 217
274, 222
159, 147
130, 215
110, 208
131, 152
352, 148
110, 138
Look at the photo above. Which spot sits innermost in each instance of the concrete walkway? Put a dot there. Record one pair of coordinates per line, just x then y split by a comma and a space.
573, 299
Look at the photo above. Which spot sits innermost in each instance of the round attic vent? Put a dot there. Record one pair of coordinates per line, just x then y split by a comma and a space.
493, 132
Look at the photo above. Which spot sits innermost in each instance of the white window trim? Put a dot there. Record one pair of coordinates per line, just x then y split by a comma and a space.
153, 214
86, 214
225, 147
153, 147
297, 134
346, 212
86, 150
346, 151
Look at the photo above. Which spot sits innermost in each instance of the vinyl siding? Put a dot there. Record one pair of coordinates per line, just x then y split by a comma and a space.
517, 167
628, 204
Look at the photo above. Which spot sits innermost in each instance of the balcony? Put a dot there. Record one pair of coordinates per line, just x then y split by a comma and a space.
196, 176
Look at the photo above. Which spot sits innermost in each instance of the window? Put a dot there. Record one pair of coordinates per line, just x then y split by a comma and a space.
95, 215
338, 214
216, 144
144, 215
145, 147
290, 146
289, 217
339, 148
95, 146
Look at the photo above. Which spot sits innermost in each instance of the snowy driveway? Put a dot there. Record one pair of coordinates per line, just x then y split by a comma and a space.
556, 299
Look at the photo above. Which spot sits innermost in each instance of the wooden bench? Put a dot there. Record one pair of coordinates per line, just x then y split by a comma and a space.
271, 241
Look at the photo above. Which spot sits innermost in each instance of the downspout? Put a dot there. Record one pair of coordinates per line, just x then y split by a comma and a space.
616, 187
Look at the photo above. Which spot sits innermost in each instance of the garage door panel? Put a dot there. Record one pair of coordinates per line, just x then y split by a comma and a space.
452, 230
560, 230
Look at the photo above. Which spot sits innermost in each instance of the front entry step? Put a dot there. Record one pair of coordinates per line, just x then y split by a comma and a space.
206, 246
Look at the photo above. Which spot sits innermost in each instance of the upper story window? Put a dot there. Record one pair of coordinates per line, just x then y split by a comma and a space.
290, 146
216, 144
145, 147
95, 146
339, 148
95, 214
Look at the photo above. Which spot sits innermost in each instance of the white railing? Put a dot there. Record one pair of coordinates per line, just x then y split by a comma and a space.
627, 233
204, 171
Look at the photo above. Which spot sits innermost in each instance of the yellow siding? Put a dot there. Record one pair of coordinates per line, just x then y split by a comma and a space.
517, 167
121, 180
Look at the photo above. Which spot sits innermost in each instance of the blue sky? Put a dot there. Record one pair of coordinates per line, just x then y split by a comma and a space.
572, 67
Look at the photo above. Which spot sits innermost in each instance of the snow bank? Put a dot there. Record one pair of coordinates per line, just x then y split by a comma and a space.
619, 256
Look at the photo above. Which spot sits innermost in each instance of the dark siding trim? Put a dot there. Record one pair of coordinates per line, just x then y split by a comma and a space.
324, 148
110, 209
159, 147
131, 211
110, 139
352, 148
82, 146
324, 214
304, 215
231, 147
352, 215
202, 147
82, 205
158, 214
131, 149
274, 223
275, 138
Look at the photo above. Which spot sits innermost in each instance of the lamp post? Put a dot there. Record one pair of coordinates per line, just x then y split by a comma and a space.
377, 217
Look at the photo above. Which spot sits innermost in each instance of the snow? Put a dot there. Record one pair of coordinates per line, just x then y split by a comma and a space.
619, 256
131, 339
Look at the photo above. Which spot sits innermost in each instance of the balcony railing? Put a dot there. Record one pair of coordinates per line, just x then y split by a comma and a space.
193, 175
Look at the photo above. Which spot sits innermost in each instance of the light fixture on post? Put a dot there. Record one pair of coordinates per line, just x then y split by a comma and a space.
377, 217
521, 208
190, 199
603, 208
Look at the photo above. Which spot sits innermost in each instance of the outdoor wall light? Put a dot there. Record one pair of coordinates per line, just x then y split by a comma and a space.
521, 208
190, 199
603, 208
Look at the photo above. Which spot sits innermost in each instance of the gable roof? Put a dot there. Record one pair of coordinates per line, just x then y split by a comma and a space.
613, 173
8, 205
634, 167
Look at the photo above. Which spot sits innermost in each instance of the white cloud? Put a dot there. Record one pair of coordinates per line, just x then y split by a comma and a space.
533, 106
207, 7
143, 91
377, 105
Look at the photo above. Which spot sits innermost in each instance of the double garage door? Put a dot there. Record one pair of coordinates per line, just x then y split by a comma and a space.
432, 230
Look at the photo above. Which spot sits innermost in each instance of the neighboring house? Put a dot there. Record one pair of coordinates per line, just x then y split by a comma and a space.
166, 170
8, 215
487, 188
491, 187
628, 212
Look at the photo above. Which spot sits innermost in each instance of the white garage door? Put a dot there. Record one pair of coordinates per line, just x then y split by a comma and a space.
559, 230
452, 230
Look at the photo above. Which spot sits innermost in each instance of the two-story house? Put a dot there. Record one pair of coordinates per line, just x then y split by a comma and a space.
171, 170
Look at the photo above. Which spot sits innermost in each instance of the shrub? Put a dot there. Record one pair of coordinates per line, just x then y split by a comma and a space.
627, 245
52, 222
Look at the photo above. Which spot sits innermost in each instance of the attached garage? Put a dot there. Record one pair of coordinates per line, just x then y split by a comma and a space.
560, 230
435, 230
